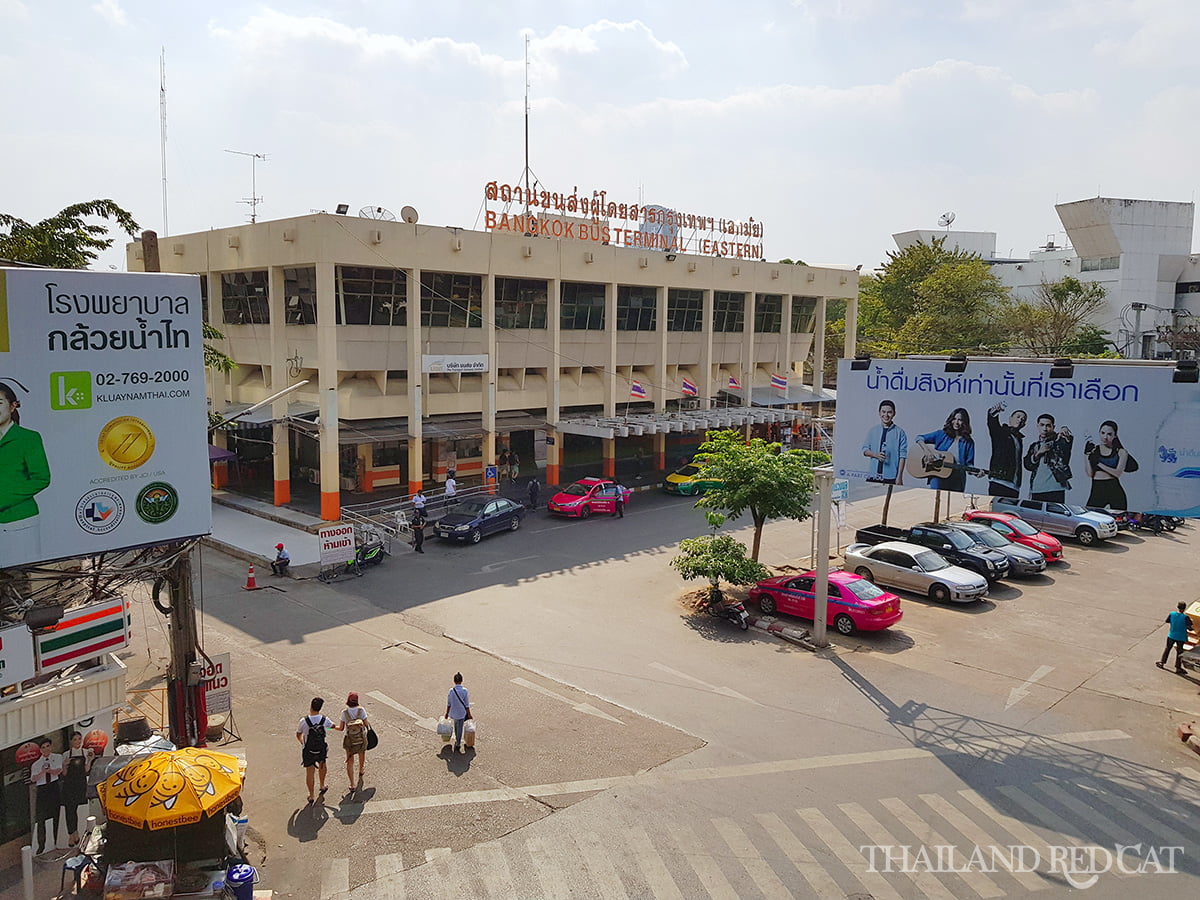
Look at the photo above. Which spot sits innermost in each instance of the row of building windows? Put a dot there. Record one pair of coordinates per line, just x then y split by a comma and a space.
1099, 263
368, 296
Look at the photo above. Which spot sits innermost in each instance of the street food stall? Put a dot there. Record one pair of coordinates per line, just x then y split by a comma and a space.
172, 824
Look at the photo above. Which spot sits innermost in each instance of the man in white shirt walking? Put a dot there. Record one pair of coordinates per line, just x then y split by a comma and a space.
451, 490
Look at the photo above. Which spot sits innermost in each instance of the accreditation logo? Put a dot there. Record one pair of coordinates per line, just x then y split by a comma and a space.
156, 502
126, 442
100, 511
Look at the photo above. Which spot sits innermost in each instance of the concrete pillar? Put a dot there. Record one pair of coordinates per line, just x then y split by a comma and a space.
364, 454
660, 451
416, 386
747, 354
280, 461
553, 367
327, 381
490, 397
851, 328
705, 387
554, 455
819, 345
609, 446
660, 346
610, 333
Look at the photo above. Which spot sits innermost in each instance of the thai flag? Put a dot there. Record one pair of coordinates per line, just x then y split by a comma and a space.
778, 381
733, 384
637, 391
689, 389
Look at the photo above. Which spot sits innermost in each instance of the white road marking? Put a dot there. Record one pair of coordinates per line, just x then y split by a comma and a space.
429, 724
708, 774
818, 879
747, 854
1087, 815
712, 879
1098, 791
604, 874
1188, 772
881, 837
654, 870
496, 566
336, 878
1022, 832
980, 838
578, 707
494, 872
928, 837
389, 875
1020, 692
850, 856
547, 870
723, 691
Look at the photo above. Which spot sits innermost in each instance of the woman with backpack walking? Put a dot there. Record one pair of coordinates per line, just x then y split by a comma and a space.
354, 741
311, 735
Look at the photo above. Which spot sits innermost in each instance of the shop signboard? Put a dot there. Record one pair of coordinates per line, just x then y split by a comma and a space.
16, 655
83, 633
1097, 434
102, 398
337, 544
460, 362
218, 685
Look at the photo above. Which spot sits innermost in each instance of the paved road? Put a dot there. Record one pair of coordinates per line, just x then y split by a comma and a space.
628, 748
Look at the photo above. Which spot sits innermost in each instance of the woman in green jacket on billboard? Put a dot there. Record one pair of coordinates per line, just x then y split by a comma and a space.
24, 472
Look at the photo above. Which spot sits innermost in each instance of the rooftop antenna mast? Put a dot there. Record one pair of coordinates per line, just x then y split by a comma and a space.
162, 129
527, 125
253, 200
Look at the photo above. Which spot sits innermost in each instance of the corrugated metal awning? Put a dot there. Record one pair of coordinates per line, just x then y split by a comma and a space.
450, 427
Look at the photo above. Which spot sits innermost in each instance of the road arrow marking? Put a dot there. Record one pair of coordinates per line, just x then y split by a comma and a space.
723, 691
578, 707
1019, 693
492, 567
423, 722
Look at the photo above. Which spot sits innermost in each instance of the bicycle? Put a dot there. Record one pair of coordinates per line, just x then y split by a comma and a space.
336, 572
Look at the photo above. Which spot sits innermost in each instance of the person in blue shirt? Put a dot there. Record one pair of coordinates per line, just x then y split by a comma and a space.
887, 444
458, 708
1176, 637
954, 436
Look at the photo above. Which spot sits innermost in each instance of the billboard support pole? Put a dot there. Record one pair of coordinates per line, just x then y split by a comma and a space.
824, 480
184, 715
887, 502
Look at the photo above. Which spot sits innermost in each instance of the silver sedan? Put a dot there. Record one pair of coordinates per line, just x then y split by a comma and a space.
917, 569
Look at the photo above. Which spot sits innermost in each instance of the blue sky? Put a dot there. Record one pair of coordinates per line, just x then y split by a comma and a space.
835, 122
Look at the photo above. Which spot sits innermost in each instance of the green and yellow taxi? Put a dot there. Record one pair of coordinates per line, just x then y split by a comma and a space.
688, 481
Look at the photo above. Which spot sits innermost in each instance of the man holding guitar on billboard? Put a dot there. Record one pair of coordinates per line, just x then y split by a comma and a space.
948, 454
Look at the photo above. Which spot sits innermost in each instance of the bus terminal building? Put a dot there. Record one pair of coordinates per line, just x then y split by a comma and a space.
427, 349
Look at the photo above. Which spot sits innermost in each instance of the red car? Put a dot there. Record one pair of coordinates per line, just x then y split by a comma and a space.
1019, 531
855, 604
587, 496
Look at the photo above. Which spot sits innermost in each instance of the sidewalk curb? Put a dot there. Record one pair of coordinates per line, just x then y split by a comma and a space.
790, 633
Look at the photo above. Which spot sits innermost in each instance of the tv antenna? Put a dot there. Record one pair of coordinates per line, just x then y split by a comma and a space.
377, 212
253, 200
945, 220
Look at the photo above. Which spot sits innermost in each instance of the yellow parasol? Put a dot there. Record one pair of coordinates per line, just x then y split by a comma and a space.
171, 788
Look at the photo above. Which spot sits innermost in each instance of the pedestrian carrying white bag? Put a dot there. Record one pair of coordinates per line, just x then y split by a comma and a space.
469, 732
446, 729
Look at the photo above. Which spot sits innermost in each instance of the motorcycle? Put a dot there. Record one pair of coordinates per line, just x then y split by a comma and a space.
734, 611
369, 553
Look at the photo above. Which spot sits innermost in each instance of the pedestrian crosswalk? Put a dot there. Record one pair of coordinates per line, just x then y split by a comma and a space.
892, 848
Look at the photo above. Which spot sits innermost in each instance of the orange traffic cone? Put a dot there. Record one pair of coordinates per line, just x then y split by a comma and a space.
251, 584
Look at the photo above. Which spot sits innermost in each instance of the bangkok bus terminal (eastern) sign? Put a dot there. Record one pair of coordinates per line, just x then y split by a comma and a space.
1100, 434
103, 422
597, 219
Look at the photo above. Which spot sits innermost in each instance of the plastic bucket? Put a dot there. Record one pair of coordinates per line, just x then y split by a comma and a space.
240, 881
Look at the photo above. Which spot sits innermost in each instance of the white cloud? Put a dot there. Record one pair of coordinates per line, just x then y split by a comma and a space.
14, 10
112, 11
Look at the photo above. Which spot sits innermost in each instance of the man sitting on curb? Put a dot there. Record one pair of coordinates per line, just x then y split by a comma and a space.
282, 559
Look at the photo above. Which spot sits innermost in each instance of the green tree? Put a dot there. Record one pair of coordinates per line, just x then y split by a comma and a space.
66, 240
1091, 340
1053, 321
756, 477
717, 557
927, 298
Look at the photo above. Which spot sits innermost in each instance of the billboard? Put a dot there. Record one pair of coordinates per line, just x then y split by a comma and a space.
1110, 435
103, 417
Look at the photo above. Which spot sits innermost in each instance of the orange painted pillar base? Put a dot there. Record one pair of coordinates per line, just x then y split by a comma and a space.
283, 492
609, 457
331, 505
551, 473
220, 474
414, 487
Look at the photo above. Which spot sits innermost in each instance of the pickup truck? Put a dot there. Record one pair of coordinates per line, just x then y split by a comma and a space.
946, 540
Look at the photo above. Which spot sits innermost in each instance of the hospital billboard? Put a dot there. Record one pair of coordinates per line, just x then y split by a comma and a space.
1106, 435
103, 422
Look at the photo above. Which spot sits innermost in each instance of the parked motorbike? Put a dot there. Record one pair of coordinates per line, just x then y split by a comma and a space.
734, 611
370, 552
1150, 522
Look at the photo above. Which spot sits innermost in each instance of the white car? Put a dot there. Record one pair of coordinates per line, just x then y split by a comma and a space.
914, 568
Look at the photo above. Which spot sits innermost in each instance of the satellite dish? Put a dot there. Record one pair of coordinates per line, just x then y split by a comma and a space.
945, 219
409, 215
377, 212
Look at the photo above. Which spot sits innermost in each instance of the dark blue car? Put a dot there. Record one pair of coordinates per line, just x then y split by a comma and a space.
472, 519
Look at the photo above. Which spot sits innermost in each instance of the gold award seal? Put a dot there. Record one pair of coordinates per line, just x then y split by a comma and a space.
126, 442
